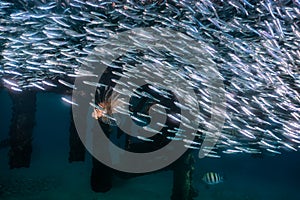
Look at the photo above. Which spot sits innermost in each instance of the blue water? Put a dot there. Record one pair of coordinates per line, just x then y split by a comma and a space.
52, 177
5, 114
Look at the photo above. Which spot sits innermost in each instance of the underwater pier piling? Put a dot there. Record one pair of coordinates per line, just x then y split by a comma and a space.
101, 175
77, 149
182, 178
21, 128
23, 122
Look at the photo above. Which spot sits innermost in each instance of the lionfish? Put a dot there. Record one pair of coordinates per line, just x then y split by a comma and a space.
105, 109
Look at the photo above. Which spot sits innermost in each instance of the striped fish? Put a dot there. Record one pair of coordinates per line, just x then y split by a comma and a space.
212, 178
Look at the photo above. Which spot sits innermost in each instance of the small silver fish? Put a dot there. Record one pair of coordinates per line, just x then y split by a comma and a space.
69, 85
69, 101
254, 45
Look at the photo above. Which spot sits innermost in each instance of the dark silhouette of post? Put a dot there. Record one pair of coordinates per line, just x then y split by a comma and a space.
77, 149
22, 124
182, 178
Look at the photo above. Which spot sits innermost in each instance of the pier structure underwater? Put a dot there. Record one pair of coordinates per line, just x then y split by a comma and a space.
20, 143
253, 45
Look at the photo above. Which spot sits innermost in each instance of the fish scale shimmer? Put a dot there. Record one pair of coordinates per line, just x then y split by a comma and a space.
254, 44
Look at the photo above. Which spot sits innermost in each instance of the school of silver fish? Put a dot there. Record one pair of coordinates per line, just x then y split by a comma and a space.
254, 43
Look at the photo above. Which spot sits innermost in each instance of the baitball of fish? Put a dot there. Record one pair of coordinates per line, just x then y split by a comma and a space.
255, 45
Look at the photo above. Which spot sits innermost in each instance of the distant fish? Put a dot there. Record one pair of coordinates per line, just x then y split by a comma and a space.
212, 178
